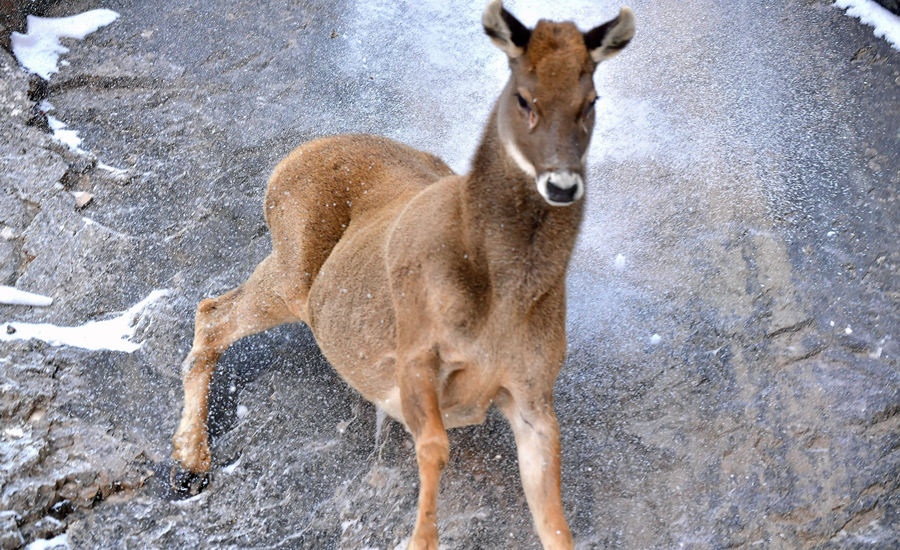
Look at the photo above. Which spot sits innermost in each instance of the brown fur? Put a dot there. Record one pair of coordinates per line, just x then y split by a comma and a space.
434, 295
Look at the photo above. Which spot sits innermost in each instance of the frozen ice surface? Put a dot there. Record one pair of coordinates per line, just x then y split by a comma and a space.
112, 334
14, 296
38, 50
886, 25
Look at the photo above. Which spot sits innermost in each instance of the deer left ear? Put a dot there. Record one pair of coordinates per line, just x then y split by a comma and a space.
611, 37
506, 32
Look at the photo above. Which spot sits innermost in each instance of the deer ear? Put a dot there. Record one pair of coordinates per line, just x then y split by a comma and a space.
611, 37
506, 32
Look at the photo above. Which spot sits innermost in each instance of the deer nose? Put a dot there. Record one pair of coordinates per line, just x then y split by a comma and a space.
560, 188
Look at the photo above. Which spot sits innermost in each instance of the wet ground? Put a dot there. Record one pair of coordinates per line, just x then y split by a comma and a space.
732, 377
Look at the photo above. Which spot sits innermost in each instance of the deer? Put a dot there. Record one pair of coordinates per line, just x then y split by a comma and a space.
434, 295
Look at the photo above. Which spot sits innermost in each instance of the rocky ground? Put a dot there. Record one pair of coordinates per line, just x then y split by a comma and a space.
743, 208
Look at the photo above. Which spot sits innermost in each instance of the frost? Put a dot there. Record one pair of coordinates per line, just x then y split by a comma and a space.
13, 296
38, 50
112, 334
886, 25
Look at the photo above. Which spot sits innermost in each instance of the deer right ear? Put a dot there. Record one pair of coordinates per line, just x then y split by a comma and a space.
506, 32
611, 37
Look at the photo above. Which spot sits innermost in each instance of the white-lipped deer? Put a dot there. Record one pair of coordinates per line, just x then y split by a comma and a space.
434, 294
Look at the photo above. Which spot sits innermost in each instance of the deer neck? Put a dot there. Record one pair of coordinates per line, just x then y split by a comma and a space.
523, 242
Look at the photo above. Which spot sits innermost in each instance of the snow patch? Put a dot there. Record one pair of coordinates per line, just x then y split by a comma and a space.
68, 137
619, 262
13, 296
38, 50
886, 25
57, 542
112, 334
655, 339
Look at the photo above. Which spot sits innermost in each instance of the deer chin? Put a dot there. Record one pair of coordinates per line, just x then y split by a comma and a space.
560, 188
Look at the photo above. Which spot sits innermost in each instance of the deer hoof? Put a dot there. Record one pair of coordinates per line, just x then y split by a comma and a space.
186, 482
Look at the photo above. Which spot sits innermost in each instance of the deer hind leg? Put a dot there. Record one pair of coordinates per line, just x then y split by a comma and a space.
253, 307
417, 379
537, 440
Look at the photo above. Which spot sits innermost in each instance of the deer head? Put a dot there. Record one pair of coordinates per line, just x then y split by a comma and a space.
545, 114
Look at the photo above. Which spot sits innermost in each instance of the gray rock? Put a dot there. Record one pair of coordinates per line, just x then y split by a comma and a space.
744, 167
891, 5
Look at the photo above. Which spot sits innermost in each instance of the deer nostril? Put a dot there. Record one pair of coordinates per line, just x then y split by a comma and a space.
559, 194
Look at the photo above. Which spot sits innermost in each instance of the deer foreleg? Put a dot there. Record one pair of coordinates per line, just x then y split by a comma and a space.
537, 441
417, 379
191, 447
253, 307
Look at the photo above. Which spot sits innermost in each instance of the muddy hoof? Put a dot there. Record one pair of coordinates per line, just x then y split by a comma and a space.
187, 483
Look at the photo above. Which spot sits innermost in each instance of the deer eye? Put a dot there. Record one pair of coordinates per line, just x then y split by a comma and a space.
522, 102
590, 106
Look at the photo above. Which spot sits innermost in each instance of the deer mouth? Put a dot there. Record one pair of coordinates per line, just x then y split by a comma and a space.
560, 188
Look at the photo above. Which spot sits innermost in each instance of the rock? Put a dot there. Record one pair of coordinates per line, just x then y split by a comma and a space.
892, 5
82, 198
712, 396
10, 537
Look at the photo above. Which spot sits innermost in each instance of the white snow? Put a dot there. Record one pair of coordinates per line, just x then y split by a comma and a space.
112, 334
885, 23
241, 411
619, 262
13, 296
68, 137
655, 339
848, 330
59, 541
38, 50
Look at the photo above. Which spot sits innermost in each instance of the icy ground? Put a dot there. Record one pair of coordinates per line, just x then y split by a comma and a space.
732, 377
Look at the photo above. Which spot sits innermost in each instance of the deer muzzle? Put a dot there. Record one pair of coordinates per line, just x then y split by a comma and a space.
560, 188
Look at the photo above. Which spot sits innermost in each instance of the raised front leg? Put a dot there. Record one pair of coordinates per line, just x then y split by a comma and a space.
537, 440
253, 307
417, 379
